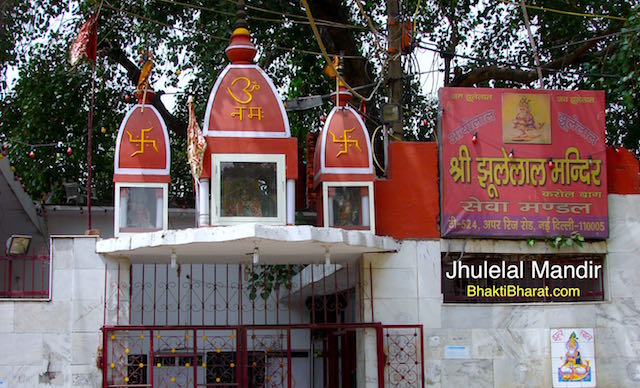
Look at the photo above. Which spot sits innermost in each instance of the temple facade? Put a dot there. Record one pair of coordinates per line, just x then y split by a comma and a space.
437, 275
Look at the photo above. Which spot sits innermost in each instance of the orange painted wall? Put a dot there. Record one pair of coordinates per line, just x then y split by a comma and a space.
622, 172
408, 202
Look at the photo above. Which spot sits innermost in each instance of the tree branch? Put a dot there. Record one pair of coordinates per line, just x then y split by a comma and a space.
499, 73
175, 124
339, 40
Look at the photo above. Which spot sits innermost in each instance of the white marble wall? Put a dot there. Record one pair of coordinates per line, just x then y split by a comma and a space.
618, 321
508, 345
56, 343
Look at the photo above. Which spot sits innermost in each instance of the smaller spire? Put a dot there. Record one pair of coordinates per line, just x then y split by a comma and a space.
342, 95
241, 50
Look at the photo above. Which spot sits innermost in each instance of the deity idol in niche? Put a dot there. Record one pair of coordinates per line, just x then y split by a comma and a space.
574, 369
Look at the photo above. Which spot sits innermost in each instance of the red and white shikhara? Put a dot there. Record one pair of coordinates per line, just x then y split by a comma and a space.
343, 169
249, 163
141, 170
251, 160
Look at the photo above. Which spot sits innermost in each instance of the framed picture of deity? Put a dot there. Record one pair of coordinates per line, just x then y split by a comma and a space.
141, 207
348, 205
248, 188
526, 118
573, 357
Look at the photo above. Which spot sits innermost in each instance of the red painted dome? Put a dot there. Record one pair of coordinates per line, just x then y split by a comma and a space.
343, 151
244, 102
142, 146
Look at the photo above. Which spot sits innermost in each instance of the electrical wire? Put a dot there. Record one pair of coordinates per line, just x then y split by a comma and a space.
36, 145
323, 49
206, 35
526, 152
520, 66
172, 26
378, 47
198, 7
370, 23
580, 14
297, 50
532, 42
373, 147
303, 17
595, 38
415, 16
322, 22
328, 23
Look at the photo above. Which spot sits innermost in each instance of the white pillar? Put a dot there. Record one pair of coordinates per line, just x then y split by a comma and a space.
365, 210
196, 195
160, 210
291, 202
203, 202
124, 201
329, 211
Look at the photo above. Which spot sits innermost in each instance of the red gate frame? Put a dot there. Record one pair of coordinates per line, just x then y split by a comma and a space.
241, 336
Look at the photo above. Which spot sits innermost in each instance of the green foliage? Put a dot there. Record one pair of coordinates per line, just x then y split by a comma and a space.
50, 104
189, 37
49, 101
623, 94
558, 242
264, 279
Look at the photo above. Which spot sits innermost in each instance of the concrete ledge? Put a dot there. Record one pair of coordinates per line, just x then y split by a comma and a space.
277, 244
517, 246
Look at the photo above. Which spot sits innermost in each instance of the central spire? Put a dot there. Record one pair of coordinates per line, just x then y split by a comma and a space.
241, 15
241, 50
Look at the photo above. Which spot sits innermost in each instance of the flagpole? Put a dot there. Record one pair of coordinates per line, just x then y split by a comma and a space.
86, 44
90, 144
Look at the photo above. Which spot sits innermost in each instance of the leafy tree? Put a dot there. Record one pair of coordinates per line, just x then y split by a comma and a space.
47, 106
481, 44
188, 42
583, 44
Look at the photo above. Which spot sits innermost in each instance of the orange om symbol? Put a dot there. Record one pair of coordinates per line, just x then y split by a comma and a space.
248, 89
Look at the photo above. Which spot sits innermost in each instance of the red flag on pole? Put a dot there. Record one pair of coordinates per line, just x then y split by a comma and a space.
86, 42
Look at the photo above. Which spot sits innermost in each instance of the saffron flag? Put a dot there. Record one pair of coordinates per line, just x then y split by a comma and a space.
145, 73
86, 41
196, 143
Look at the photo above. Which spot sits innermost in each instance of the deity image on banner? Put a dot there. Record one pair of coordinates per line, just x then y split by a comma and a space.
526, 118
573, 357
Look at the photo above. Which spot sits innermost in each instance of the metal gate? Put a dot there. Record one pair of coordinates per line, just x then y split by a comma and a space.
249, 356
196, 357
222, 325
